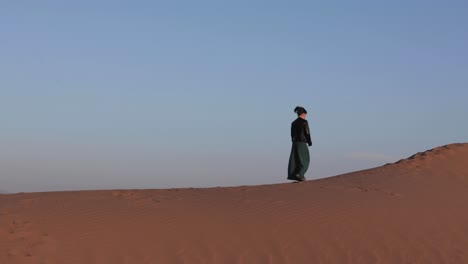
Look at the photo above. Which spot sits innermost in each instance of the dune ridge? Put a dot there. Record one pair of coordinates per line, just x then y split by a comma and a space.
410, 211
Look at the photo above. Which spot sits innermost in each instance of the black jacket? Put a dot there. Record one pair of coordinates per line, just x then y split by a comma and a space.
300, 131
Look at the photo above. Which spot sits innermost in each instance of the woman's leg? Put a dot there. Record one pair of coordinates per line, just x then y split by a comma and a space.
292, 166
303, 159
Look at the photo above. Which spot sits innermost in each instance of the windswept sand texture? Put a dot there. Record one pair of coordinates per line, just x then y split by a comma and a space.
413, 211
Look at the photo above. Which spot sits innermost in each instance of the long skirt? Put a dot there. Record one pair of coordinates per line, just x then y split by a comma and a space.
299, 160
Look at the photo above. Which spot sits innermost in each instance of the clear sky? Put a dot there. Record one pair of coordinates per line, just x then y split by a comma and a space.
160, 94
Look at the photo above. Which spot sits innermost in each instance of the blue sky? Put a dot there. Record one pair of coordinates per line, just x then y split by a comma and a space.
152, 94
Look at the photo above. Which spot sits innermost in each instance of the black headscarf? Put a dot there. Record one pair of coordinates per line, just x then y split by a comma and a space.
299, 110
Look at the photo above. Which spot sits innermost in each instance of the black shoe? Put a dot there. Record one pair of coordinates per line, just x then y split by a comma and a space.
300, 178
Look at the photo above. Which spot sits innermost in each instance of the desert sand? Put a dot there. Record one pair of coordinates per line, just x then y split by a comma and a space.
411, 211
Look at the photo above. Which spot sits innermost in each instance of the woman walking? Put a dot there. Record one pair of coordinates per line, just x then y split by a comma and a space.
301, 141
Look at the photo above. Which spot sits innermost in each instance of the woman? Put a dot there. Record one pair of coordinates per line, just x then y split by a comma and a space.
300, 134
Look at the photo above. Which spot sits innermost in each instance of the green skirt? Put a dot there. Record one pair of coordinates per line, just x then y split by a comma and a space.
299, 160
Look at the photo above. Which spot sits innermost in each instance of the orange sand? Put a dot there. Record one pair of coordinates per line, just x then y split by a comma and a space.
413, 211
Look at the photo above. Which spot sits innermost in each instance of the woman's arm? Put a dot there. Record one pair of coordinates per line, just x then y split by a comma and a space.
307, 134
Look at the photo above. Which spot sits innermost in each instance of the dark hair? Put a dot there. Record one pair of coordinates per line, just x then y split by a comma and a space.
299, 110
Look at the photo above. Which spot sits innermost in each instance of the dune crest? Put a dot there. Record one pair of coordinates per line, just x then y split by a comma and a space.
438, 153
411, 211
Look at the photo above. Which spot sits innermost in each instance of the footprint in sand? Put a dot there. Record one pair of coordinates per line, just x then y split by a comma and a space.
22, 239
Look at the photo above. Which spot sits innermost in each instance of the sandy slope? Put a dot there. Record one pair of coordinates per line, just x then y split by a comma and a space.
413, 211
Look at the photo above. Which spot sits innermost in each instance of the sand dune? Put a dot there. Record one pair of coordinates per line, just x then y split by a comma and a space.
412, 211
